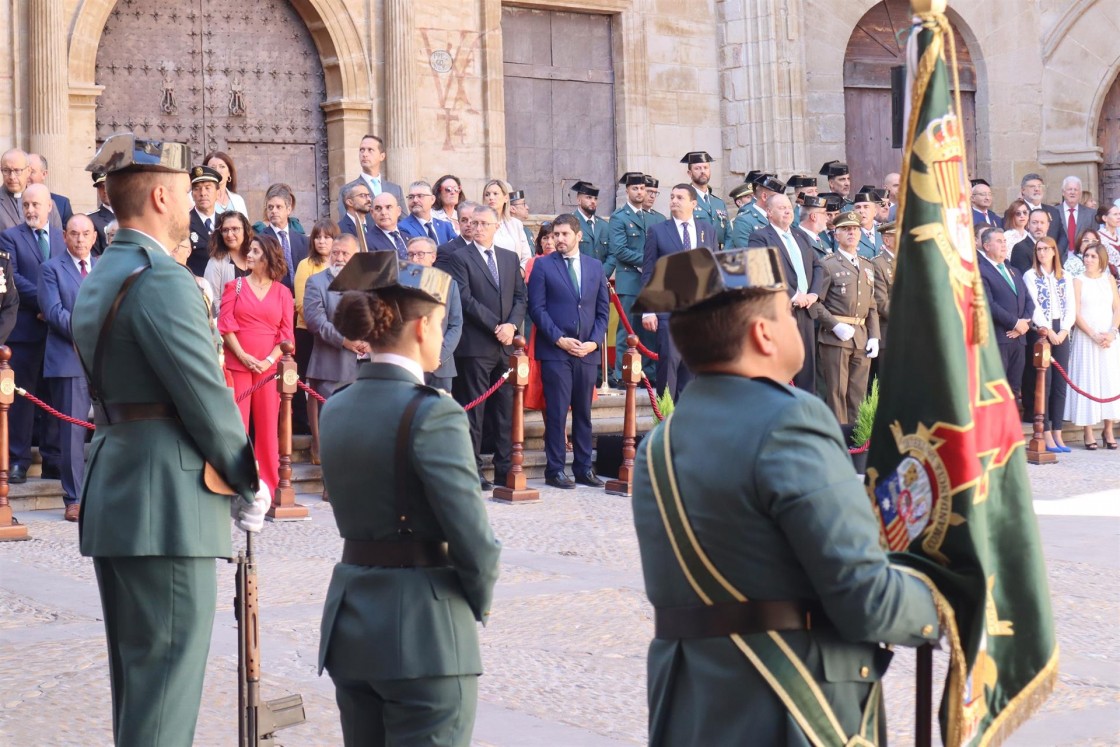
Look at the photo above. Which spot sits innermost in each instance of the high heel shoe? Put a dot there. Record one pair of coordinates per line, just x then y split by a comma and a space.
1110, 445
1054, 449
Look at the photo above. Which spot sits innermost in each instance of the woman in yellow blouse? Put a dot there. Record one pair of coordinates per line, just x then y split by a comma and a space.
318, 259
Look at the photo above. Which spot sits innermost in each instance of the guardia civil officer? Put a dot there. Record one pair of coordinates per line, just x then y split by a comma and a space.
419, 560
708, 206
625, 254
152, 517
759, 548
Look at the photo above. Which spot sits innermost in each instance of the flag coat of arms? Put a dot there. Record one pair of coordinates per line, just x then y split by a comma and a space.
947, 471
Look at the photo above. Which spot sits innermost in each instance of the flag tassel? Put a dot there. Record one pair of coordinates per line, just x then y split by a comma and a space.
979, 310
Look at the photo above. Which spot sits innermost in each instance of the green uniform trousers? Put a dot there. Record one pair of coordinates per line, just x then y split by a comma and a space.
429, 711
159, 613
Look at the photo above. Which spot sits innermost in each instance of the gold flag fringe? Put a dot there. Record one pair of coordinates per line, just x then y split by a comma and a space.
979, 308
1024, 705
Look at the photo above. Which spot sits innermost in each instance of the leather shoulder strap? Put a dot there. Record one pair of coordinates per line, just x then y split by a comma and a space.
95, 375
402, 467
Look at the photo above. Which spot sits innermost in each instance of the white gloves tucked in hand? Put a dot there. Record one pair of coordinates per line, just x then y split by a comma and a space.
844, 331
250, 518
872, 348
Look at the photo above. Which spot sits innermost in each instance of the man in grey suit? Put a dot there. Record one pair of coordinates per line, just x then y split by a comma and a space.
371, 154
15, 166
422, 251
334, 360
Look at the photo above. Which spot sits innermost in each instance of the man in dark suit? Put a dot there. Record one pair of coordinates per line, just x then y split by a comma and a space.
103, 216
30, 245
15, 165
814, 222
466, 235
1073, 217
371, 155
492, 292
204, 190
419, 221
804, 275
1010, 304
568, 303
59, 281
278, 204
1022, 254
1032, 190
334, 359
422, 251
385, 235
356, 221
37, 173
982, 213
679, 234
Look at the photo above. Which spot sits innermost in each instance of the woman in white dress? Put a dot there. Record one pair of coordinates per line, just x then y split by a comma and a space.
1054, 314
227, 198
1015, 222
1109, 217
1094, 360
449, 195
511, 231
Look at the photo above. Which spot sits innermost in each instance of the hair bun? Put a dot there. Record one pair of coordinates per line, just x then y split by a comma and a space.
363, 316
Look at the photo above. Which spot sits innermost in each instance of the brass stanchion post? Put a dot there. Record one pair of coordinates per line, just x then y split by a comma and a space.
631, 377
1036, 449
514, 491
284, 506
9, 529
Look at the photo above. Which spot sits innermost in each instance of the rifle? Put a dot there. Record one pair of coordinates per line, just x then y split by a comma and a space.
256, 721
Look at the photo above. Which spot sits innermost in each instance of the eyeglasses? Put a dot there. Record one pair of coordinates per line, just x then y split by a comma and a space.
1022, 212
419, 255
232, 229
13, 172
418, 196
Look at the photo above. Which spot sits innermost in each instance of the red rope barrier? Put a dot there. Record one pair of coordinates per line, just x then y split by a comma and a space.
629, 330
486, 395
257, 386
860, 449
40, 403
1080, 391
312, 392
652, 398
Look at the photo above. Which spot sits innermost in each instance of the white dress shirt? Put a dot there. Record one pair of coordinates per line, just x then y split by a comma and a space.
401, 361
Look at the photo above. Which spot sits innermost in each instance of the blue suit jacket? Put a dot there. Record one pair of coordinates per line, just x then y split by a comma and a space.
558, 311
62, 205
59, 281
300, 246
377, 241
411, 227
664, 239
867, 247
978, 218
22, 246
1007, 307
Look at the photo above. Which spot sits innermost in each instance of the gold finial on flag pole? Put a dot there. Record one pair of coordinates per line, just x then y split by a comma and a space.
928, 6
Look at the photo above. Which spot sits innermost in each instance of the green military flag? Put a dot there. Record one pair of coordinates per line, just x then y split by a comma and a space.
947, 471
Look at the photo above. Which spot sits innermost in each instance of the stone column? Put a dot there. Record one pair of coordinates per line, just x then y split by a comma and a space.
400, 98
47, 94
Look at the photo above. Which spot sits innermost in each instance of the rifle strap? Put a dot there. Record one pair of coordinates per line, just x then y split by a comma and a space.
406, 481
95, 375
768, 652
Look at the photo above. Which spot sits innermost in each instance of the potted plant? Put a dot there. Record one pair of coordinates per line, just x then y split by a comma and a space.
859, 433
665, 403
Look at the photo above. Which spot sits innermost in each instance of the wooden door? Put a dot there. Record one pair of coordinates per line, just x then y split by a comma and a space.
1108, 138
559, 103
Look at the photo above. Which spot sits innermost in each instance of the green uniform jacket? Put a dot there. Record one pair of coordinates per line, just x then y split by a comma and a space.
594, 243
626, 250
143, 492
714, 210
404, 623
653, 218
773, 499
747, 221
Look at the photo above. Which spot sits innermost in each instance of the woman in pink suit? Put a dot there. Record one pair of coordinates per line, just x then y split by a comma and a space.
256, 316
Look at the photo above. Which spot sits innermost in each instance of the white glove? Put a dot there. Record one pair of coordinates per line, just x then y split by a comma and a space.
872, 348
844, 331
251, 518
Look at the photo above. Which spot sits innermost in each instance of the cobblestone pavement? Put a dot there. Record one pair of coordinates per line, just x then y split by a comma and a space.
565, 650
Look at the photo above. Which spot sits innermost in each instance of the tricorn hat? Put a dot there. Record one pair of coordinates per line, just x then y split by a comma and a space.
770, 182
632, 178
798, 181
978, 182
687, 279
517, 194
833, 169
585, 188
696, 156
862, 197
384, 273
98, 178
652, 183
813, 201
124, 151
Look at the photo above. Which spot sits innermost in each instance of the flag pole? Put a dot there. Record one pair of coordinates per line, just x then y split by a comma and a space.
923, 698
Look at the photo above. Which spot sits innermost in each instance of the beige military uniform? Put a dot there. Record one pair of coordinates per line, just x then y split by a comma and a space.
848, 296
884, 280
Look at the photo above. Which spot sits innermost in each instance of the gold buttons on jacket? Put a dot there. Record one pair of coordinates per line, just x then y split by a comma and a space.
864, 671
927, 631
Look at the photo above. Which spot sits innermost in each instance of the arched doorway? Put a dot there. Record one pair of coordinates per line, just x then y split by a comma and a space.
244, 79
877, 44
1108, 138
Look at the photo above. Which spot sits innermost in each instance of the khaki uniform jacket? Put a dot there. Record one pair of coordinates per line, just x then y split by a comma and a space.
143, 492
404, 623
884, 280
846, 292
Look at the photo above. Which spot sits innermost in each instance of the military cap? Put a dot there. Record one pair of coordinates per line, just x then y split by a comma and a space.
631, 178
652, 182
978, 182
516, 195
200, 174
862, 197
813, 201
833, 169
846, 219
124, 151
833, 201
384, 273
684, 280
696, 156
868, 188
760, 176
741, 191
98, 178
798, 181
770, 182
752, 175
887, 227
585, 188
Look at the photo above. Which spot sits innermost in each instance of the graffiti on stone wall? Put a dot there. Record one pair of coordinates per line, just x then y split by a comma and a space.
453, 96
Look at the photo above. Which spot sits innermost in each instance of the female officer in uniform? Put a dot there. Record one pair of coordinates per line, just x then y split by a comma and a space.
419, 561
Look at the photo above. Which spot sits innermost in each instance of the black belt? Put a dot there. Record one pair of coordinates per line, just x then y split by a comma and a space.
720, 620
395, 554
123, 412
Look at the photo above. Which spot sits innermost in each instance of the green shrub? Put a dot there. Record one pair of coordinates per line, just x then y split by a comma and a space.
865, 417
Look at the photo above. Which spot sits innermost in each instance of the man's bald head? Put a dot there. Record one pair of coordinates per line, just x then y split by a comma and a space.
780, 211
37, 205
386, 211
80, 236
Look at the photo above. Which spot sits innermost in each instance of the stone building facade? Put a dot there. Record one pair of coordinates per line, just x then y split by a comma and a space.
544, 92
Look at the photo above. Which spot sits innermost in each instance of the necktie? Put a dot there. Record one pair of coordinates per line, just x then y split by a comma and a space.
375, 185
287, 252
685, 238
44, 243
1007, 276
84, 271
1071, 227
207, 224
402, 250
493, 266
796, 260
572, 272
431, 231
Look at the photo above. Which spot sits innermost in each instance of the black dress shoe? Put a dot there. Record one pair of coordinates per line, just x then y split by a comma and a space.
560, 481
588, 478
500, 478
486, 484
17, 476
50, 472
